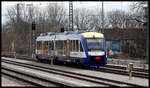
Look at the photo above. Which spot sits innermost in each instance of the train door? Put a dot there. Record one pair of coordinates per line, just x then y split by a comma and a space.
51, 48
40, 47
67, 49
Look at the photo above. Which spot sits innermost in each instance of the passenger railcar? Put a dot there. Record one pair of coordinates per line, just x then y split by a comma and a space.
87, 48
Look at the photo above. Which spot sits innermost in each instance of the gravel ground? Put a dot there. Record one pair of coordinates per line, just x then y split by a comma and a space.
10, 82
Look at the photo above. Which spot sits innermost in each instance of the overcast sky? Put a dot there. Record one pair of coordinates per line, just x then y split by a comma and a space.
108, 6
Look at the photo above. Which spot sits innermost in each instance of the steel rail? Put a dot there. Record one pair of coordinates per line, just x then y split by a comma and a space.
109, 68
77, 74
35, 80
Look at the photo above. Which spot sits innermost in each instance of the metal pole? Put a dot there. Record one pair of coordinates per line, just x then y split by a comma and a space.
30, 30
129, 70
33, 33
17, 29
147, 13
102, 19
71, 15
130, 75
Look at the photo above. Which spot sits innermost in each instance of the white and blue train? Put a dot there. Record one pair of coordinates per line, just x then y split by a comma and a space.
87, 48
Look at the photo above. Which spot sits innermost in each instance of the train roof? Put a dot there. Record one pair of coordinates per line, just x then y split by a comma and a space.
59, 37
64, 36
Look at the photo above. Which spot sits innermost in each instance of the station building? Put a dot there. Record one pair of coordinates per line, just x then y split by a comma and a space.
131, 41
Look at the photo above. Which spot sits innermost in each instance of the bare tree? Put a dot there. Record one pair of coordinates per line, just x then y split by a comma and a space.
116, 18
56, 16
82, 18
138, 12
96, 20
18, 21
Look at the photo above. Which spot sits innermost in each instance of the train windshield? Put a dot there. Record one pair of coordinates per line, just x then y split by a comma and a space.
95, 44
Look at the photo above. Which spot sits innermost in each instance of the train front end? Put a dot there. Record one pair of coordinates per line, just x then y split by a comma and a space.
94, 45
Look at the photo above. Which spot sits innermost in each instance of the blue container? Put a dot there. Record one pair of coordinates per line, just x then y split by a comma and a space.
115, 45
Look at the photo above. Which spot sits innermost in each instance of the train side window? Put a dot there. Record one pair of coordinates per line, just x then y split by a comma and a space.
46, 44
72, 45
50, 45
59, 44
64, 47
81, 48
59, 47
77, 45
38, 45
43, 45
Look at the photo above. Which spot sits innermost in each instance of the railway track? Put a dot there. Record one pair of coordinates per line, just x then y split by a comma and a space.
137, 72
78, 76
121, 72
124, 68
13, 81
27, 78
114, 71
